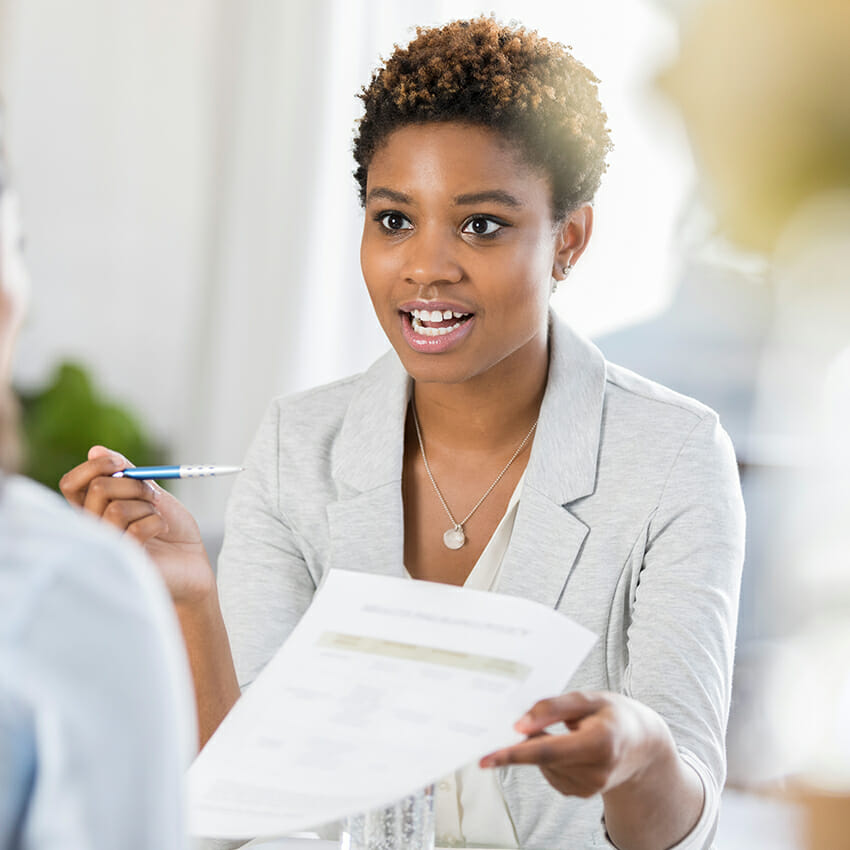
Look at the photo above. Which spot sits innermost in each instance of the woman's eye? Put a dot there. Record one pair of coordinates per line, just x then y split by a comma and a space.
482, 226
395, 221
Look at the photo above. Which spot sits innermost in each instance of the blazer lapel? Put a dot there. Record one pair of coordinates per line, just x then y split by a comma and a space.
366, 523
547, 538
367, 532
545, 543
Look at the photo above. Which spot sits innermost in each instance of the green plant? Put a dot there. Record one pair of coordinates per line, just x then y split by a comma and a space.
62, 421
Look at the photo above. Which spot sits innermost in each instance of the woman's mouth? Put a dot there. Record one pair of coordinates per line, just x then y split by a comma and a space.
435, 331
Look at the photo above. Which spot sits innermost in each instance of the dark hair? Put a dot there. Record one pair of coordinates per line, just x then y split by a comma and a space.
506, 78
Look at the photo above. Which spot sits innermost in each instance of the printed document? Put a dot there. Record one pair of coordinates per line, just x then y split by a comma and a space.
383, 687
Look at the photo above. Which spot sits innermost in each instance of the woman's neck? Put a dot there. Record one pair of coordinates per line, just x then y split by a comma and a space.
485, 413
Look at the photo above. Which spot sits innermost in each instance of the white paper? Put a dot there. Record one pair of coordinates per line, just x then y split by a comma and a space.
384, 686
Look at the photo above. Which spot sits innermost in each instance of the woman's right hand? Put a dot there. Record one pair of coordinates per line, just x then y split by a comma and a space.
149, 515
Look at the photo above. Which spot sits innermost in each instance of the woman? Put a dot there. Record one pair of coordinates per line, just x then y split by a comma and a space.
493, 448
95, 717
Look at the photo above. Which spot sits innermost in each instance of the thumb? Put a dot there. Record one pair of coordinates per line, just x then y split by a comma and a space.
103, 451
567, 708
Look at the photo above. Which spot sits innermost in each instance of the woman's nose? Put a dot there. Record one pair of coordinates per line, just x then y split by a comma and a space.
432, 258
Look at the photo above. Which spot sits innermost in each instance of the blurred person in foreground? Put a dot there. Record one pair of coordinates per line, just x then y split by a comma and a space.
762, 86
96, 726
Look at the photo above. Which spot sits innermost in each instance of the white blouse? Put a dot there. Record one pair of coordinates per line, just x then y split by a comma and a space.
469, 804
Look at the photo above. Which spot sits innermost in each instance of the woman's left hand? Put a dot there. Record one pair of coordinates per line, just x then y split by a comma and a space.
611, 740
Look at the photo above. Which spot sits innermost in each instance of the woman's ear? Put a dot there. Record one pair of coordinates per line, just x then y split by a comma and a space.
571, 239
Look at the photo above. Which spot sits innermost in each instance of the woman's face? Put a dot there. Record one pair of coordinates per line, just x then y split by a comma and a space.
458, 252
14, 284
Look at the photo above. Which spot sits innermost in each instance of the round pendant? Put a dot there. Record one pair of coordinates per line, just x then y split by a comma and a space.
454, 538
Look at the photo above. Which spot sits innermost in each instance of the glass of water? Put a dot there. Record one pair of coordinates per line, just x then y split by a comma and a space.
407, 824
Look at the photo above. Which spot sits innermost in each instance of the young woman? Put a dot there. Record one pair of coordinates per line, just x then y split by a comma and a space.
495, 448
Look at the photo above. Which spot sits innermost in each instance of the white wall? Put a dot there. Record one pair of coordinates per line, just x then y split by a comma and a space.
108, 115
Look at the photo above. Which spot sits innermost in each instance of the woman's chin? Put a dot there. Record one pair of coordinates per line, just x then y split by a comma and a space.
435, 370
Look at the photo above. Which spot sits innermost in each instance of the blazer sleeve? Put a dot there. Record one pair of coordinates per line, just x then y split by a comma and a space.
263, 581
681, 639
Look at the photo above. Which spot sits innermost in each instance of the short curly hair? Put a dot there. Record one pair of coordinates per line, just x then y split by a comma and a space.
503, 77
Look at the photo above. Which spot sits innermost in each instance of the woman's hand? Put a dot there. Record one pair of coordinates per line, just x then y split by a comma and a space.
612, 740
149, 515
620, 748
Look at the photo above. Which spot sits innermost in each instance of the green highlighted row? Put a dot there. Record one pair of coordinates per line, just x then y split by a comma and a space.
427, 654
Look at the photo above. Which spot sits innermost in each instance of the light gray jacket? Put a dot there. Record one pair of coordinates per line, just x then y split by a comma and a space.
631, 522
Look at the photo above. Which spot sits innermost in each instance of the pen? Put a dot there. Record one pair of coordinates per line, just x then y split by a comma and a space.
207, 471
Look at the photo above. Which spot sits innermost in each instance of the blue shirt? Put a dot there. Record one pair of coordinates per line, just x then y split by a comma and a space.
96, 722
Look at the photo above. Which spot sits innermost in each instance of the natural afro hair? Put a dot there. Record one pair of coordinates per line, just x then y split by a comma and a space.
506, 78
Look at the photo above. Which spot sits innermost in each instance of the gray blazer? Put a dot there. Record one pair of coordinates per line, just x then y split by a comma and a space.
631, 522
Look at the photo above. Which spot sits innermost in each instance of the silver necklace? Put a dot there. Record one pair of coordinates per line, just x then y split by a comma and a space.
454, 537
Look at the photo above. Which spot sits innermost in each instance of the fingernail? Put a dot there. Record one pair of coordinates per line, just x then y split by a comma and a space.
487, 761
523, 723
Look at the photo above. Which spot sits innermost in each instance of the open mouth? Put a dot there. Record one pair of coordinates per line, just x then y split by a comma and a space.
436, 322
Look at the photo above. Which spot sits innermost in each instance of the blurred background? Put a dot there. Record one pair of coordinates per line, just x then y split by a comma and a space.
192, 233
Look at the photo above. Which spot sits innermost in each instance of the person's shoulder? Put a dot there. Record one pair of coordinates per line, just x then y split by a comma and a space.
45, 544
635, 403
317, 414
328, 401
650, 430
652, 401
42, 518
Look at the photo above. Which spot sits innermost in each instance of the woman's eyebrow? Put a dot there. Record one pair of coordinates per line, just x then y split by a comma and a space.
498, 196
389, 195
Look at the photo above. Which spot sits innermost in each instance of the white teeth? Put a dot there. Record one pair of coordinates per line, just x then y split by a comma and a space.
420, 329
436, 315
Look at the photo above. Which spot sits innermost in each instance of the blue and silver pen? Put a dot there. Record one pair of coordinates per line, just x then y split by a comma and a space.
207, 471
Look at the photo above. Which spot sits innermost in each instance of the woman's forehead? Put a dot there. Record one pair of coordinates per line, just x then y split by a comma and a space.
460, 158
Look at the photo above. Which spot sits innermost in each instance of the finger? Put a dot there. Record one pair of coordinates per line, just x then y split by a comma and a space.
122, 514
146, 529
105, 491
74, 484
566, 750
566, 708
103, 451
